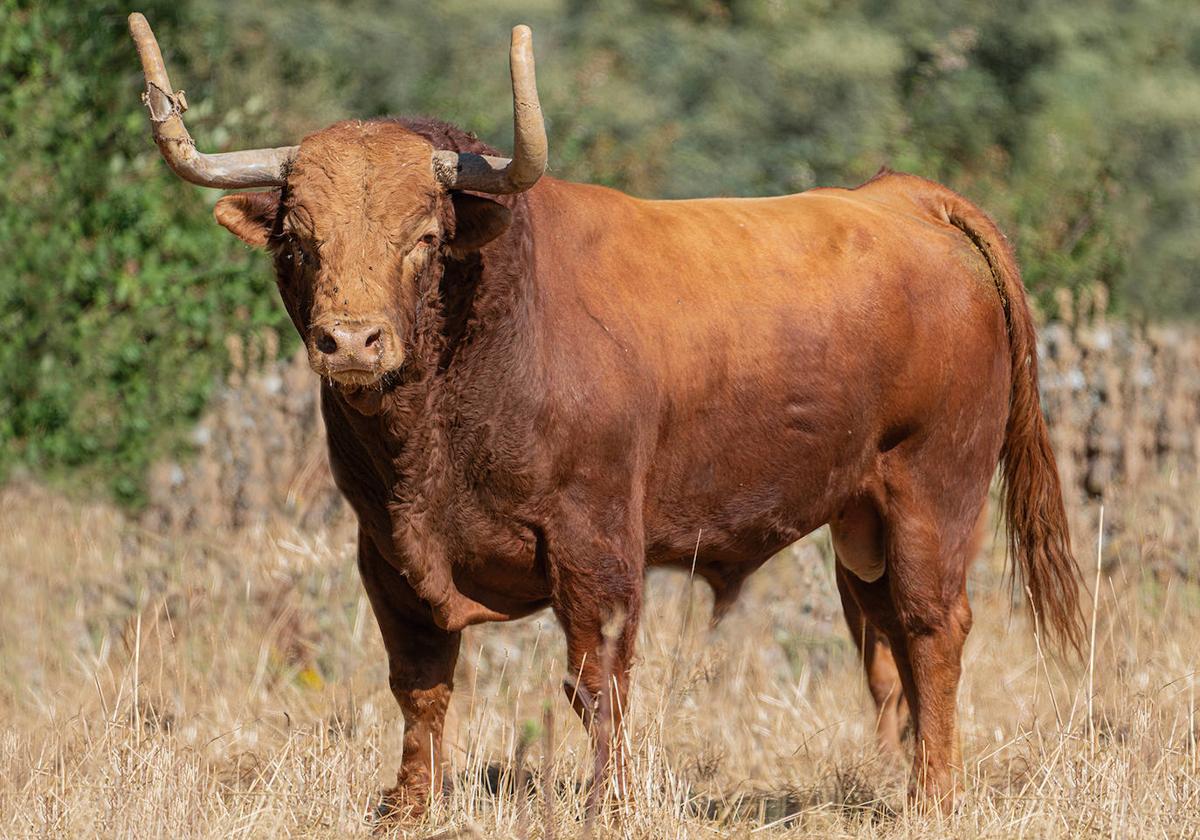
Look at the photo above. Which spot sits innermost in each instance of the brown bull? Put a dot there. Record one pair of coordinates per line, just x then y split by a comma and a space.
529, 400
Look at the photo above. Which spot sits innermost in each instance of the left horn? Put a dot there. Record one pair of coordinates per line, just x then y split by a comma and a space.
230, 170
481, 173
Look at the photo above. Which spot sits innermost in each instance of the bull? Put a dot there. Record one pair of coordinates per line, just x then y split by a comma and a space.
534, 390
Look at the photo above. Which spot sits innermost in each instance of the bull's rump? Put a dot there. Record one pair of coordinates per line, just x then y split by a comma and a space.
746, 360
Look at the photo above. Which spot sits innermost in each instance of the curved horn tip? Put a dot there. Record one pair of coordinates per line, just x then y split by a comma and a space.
138, 25
503, 176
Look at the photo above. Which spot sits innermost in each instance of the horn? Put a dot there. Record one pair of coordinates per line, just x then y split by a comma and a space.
230, 170
481, 173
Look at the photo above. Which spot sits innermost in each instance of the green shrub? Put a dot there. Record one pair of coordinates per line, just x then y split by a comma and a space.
1075, 122
117, 289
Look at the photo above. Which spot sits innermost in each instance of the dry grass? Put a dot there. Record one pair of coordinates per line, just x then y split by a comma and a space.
222, 685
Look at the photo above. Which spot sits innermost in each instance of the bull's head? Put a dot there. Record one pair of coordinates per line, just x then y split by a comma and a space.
361, 214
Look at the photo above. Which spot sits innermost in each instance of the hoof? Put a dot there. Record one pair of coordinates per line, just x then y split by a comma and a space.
396, 807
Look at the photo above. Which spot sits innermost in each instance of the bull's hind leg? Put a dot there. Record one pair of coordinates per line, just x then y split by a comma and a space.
421, 659
918, 601
928, 537
883, 677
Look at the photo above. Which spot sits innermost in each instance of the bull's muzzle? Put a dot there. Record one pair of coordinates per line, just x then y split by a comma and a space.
354, 352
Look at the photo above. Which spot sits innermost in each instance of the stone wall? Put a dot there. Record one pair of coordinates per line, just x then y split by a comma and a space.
1123, 400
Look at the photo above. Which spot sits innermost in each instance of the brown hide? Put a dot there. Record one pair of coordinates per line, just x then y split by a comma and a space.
611, 383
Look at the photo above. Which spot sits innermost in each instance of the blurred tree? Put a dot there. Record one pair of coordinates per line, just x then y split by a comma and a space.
1075, 122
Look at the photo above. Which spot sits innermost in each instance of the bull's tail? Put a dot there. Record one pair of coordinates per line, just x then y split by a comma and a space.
1038, 538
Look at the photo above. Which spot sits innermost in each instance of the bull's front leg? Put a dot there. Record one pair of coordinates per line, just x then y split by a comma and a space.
596, 581
421, 660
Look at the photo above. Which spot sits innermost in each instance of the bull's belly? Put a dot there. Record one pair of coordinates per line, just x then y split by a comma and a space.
748, 540
741, 508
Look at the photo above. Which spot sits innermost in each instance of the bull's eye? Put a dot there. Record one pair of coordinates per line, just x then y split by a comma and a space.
291, 251
429, 240
298, 254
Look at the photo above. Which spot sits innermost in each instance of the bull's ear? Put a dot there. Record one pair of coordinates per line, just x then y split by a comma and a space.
248, 216
477, 222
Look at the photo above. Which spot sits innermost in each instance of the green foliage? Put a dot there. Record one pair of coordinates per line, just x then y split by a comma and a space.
1075, 122
117, 290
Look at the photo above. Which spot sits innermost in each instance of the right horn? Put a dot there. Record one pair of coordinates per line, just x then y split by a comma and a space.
231, 170
481, 173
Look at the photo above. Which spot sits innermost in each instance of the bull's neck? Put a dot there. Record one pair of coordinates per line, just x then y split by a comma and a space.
468, 414
488, 326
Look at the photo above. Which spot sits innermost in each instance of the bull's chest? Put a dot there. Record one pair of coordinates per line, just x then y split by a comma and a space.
500, 563
480, 565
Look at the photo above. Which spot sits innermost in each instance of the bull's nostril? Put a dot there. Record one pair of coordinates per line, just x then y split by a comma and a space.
373, 337
327, 344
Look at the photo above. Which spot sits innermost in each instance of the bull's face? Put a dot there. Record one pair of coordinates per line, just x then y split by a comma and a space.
359, 233
364, 216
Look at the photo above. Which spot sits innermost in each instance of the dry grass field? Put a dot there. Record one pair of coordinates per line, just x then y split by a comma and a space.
222, 685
